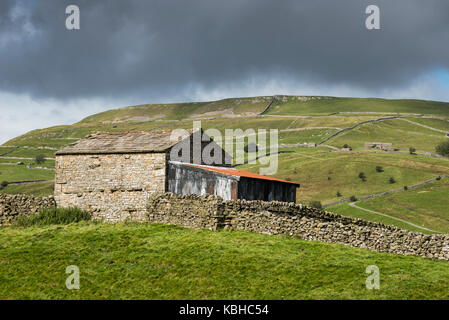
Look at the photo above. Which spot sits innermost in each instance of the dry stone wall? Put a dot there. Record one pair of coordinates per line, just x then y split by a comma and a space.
208, 212
114, 187
13, 205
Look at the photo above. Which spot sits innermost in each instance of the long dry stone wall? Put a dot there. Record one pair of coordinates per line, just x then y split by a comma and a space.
208, 212
13, 205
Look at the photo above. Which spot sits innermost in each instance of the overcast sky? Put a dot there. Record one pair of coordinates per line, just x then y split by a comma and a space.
150, 51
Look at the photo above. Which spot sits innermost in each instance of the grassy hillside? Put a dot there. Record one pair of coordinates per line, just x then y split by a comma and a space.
401, 133
326, 105
144, 261
425, 206
179, 111
14, 173
36, 189
323, 174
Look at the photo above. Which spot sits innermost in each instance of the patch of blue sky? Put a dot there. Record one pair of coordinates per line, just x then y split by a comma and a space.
442, 76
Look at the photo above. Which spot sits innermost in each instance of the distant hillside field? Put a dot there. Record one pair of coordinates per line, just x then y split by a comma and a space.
326, 172
326, 105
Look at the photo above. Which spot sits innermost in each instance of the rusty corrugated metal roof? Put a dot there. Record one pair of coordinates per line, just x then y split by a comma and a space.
122, 142
238, 173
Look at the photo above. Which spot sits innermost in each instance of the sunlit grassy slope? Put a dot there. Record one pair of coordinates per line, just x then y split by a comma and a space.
326, 105
400, 133
323, 174
425, 206
144, 261
179, 111
37, 189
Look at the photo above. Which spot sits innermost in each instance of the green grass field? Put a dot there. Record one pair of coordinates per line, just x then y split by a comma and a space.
328, 105
144, 261
21, 173
346, 210
37, 189
400, 133
434, 123
323, 174
427, 205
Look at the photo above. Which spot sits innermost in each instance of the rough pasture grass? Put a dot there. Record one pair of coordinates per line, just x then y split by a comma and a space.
426, 205
346, 210
400, 133
37, 189
323, 174
144, 261
357, 105
21, 173
52, 216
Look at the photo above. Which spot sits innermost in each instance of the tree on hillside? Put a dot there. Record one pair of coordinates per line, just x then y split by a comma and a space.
443, 149
379, 169
3, 185
362, 176
392, 180
40, 158
412, 150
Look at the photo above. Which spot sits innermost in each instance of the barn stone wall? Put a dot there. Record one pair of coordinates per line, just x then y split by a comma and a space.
114, 187
208, 212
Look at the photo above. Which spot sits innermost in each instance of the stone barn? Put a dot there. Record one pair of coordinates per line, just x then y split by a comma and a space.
113, 174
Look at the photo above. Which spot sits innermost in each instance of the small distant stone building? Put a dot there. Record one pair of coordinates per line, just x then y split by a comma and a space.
113, 174
379, 145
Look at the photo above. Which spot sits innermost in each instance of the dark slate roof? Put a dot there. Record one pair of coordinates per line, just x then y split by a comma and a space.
121, 142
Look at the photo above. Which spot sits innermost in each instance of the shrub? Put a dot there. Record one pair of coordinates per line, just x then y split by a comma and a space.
316, 204
4, 184
53, 216
412, 150
362, 176
443, 149
438, 178
338, 194
40, 158
353, 198
379, 169
392, 180
405, 188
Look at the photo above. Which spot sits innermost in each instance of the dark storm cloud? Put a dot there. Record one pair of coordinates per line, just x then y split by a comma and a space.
162, 47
